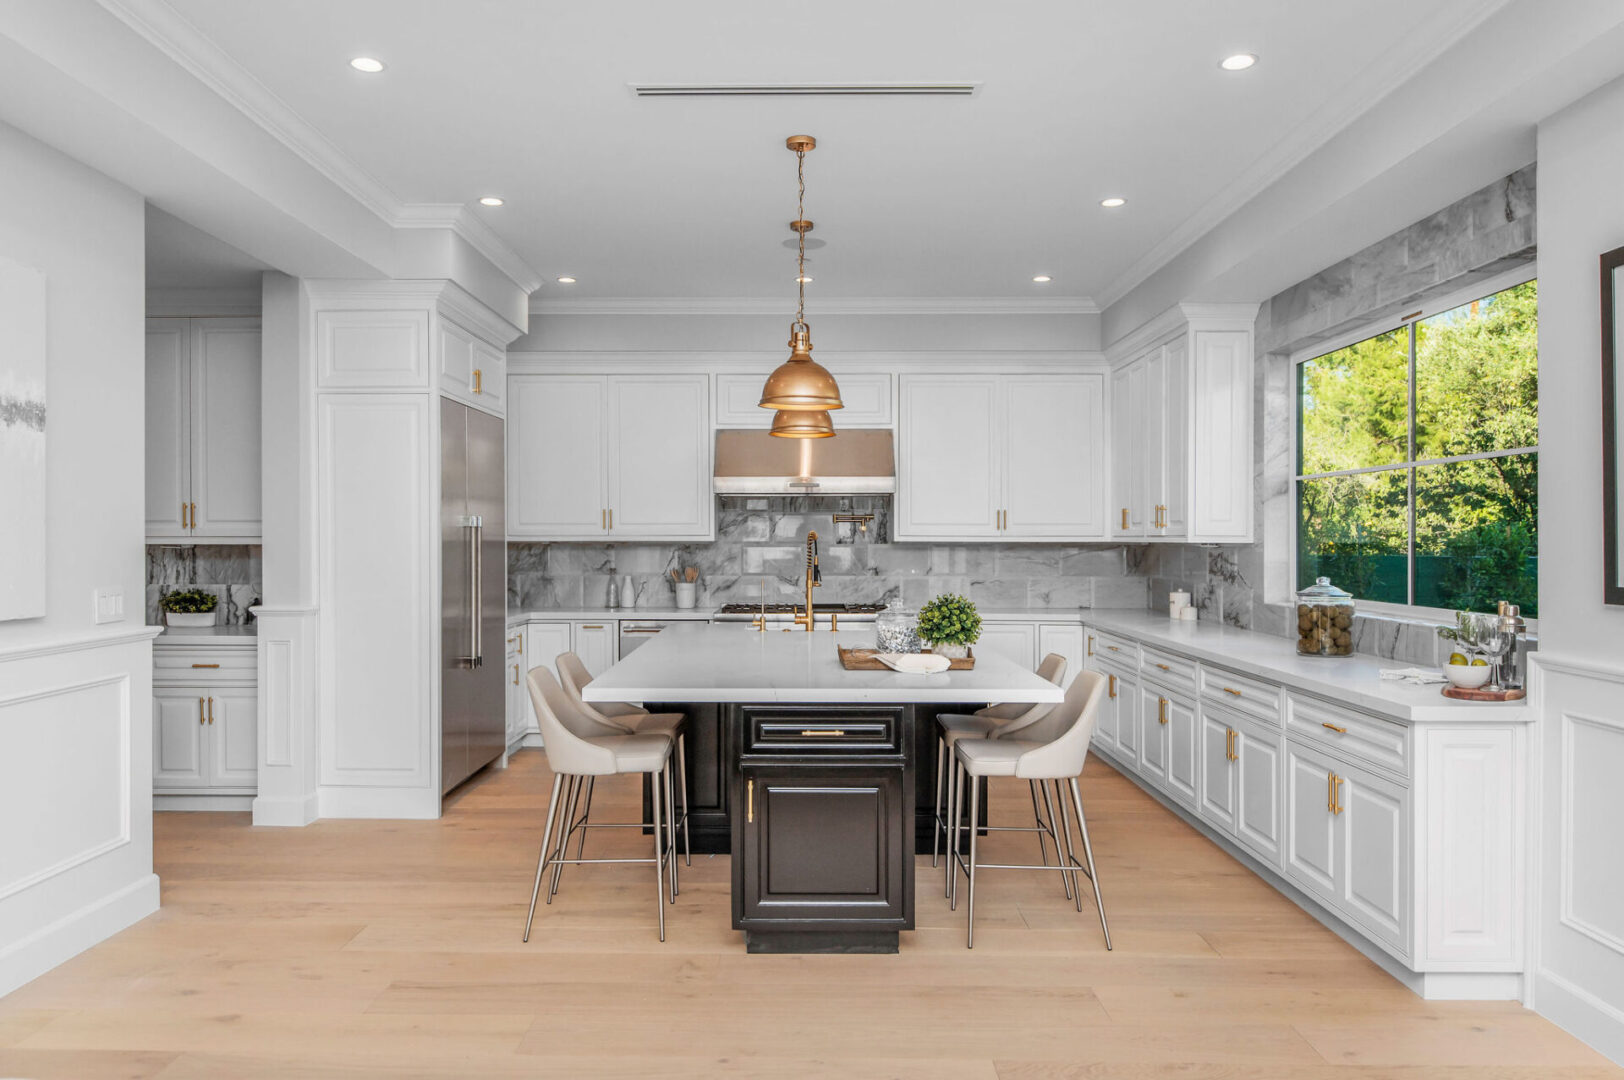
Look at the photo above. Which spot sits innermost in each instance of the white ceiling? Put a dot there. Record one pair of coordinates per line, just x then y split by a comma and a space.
927, 197
182, 256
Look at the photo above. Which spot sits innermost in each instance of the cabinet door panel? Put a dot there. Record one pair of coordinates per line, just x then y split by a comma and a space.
1175, 424
225, 452
1375, 879
234, 738
660, 457
1127, 403
1217, 798
1311, 829
168, 418
1128, 732
948, 465
490, 376
1258, 810
595, 645
1153, 735
556, 463
179, 718
1016, 642
1182, 739
1222, 425
1054, 456
1065, 640
456, 360
1152, 417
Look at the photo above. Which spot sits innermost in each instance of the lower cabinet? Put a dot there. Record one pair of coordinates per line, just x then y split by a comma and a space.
1239, 781
1016, 642
518, 694
594, 643
205, 739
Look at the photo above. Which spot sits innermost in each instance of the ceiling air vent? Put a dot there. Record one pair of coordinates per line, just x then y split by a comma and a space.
930, 89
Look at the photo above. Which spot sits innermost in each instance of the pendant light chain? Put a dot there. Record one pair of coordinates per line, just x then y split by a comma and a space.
800, 233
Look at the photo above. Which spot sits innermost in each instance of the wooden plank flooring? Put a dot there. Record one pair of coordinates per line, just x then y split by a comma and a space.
365, 950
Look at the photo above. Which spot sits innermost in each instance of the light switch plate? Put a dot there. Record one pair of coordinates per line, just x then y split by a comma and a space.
109, 605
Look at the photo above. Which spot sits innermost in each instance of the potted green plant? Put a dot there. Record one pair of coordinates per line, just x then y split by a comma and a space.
950, 625
189, 607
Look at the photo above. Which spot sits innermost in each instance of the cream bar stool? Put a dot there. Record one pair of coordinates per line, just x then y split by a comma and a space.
994, 721
576, 759
1059, 759
629, 720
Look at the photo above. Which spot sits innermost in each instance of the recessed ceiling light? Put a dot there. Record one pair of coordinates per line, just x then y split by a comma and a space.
1113, 202
566, 281
367, 64
1042, 279
1238, 62
490, 200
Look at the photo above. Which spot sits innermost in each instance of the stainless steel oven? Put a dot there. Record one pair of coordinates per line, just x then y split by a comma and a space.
635, 632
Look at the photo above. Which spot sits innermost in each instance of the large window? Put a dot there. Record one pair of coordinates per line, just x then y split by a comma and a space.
1418, 459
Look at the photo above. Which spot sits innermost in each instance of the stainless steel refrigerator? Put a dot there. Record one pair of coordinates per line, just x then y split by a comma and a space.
473, 593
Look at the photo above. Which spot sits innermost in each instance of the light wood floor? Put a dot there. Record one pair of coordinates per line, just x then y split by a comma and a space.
364, 950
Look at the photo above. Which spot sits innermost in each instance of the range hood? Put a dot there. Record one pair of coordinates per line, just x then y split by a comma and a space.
854, 462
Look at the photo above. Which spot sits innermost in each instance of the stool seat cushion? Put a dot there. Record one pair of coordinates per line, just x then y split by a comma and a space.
956, 726
617, 710
987, 757
635, 753
670, 724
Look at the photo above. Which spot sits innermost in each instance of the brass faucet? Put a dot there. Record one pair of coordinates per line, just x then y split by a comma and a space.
814, 580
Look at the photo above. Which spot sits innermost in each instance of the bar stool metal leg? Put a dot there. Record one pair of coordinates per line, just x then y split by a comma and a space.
1088, 854
1071, 855
670, 828
586, 815
953, 846
970, 933
1048, 823
938, 822
682, 778
659, 883
566, 825
541, 859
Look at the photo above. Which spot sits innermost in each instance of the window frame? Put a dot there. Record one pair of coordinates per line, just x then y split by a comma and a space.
1481, 290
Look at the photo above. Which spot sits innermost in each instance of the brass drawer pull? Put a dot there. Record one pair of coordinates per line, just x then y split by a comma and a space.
1124, 517
1164, 667
1333, 727
479, 383
1113, 648
584, 626
825, 731
205, 665
1232, 690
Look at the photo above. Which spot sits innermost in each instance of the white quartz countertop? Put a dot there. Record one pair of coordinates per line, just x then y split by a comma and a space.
733, 662
1351, 680
628, 614
207, 635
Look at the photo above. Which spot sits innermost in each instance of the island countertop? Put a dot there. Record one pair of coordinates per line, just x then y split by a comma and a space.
737, 663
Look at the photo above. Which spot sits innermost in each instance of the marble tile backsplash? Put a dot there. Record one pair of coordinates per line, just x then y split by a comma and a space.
230, 571
761, 544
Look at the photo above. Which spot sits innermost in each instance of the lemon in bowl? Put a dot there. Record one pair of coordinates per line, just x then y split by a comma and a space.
1466, 674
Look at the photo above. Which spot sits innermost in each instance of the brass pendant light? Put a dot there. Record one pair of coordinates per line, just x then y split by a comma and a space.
800, 384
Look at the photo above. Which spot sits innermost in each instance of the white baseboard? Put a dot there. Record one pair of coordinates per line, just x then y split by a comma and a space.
1581, 1014
234, 803
530, 739
416, 804
26, 960
288, 813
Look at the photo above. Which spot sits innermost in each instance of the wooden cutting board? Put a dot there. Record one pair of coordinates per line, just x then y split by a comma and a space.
865, 660
1463, 694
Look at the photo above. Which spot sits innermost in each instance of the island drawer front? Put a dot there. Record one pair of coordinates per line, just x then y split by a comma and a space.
1110, 647
1363, 738
1259, 700
203, 662
823, 730
1165, 668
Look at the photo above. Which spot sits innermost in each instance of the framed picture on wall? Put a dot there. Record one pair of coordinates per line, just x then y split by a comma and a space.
1612, 406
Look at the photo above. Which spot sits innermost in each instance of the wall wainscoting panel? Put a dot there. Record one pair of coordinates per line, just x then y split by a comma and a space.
1592, 883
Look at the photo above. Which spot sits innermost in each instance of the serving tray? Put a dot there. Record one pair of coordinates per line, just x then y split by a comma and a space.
1484, 695
865, 660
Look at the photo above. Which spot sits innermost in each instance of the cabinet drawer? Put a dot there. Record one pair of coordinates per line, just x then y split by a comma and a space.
1363, 738
1245, 695
1103, 646
1166, 668
204, 663
798, 732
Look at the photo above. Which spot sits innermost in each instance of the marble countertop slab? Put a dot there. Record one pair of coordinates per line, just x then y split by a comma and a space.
1351, 680
699, 614
735, 663
217, 636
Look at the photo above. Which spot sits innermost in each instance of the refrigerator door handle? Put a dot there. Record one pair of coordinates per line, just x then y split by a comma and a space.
478, 592
472, 529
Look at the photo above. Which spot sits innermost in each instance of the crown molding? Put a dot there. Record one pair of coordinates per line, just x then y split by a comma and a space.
1431, 37
170, 32
402, 294
641, 361
184, 303
1182, 318
853, 305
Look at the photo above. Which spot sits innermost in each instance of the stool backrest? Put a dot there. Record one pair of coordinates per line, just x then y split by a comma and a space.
567, 752
574, 677
1076, 715
1036, 722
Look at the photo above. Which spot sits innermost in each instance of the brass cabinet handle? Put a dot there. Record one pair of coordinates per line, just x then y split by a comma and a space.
205, 665
1336, 793
519, 640
1330, 792
611, 519
1161, 710
1232, 690
202, 717
515, 674
1230, 741
1090, 645
211, 710
828, 731
1124, 518
1333, 727
479, 387
194, 515
1113, 684
183, 515
750, 801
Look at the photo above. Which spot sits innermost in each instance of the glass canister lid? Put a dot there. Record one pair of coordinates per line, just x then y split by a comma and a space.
1323, 592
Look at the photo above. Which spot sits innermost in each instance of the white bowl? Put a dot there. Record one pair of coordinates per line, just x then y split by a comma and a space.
1467, 677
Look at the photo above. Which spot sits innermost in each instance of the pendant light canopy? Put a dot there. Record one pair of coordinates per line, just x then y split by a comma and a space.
800, 384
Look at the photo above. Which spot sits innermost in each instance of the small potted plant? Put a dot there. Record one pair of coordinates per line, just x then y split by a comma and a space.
189, 607
950, 625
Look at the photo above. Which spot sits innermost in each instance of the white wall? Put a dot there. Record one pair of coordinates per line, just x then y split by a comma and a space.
1580, 930
75, 698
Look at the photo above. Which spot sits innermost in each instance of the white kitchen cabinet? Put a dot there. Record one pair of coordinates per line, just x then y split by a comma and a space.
180, 716
203, 430
518, 693
471, 370
1016, 642
1168, 746
594, 643
1312, 832
1004, 457
234, 737
1181, 427
1219, 789
1258, 810
205, 739
1063, 639
544, 641
615, 457
867, 396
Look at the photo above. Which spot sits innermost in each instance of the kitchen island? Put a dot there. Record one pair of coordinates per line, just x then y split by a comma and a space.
811, 775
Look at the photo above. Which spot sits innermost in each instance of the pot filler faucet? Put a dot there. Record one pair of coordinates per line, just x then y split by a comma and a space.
814, 580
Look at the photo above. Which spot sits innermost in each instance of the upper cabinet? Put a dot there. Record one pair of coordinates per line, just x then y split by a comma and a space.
1001, 457
203, 427
471, 370
1181, 428
613, 457
866, 395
